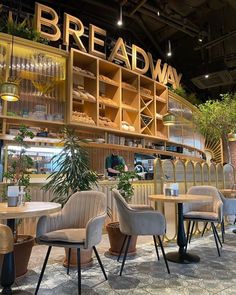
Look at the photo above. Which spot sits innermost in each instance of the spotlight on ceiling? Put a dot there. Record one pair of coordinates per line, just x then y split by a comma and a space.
169, 52
200, 40
120, 21
206, 76
158, 12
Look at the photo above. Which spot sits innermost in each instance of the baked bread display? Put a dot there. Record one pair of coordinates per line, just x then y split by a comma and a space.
107, 122
127, 126
81, 117
82, 71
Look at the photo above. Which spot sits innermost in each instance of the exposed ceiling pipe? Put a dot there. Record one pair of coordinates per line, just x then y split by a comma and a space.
137, 6
216, 41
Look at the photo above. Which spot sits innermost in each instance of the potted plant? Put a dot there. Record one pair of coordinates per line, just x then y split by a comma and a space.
126, 189
72, 174
18, 175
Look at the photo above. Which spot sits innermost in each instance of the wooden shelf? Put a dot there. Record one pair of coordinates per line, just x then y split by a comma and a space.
20, 120
84, 75
129, 89
10, 137
109, 105
129, 108
111, 83
77, 99
160, 99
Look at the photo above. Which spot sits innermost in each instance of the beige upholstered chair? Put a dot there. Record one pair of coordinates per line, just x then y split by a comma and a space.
6, 248
204, 211
139, 222
78, 225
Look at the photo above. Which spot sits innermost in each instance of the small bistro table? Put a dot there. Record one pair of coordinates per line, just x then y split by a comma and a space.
30, 209
181, 256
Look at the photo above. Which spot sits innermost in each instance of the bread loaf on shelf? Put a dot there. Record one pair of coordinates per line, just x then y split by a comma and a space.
127, 126
81, 117
82, 71
106, 122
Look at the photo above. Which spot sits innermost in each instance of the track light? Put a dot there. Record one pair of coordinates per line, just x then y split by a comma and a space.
206, 76
169, 52
120, 20
200, 40
158, 12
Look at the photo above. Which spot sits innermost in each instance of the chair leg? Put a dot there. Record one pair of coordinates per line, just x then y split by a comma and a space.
164, 254
155, 243
223, 230
204, 229
217, 235
191, 233
122, 247
43, 269
125, 254
235, 220
188, 230
217, 246
100, 262
79, 271
68, 262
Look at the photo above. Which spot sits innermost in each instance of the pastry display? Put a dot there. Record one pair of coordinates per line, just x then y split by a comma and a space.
82, 71
107, 101
106, 79
127, 127
80, 93
129, 86
145, 91
81, 117
106, 122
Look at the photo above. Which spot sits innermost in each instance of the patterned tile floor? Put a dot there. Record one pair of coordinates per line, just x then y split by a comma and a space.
143, 274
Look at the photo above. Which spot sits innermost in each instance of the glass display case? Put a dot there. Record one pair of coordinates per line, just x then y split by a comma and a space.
41, 155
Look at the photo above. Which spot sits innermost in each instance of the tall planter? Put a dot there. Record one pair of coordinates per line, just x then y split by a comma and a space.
22, 252
116, 239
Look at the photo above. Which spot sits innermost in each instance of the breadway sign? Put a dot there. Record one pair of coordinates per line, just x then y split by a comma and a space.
47, 18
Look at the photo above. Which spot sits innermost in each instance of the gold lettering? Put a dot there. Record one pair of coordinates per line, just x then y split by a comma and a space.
169, 78
94, 40
50, 23
177, 78
157, 70
135, 50
119, 52
76, 33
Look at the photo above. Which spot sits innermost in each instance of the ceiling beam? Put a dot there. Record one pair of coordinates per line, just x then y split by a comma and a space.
137, 6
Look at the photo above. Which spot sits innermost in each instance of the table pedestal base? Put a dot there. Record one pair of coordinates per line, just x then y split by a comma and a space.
234, 231
184, 258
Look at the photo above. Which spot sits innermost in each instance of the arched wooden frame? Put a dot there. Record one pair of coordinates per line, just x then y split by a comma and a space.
198, 177
168, 169
205, 174
220, 176
190, 174
229, 176
180, 175
213, 177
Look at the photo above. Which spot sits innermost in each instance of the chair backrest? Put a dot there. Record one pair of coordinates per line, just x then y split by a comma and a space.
203, 206
81, 207
6, 238
123, 209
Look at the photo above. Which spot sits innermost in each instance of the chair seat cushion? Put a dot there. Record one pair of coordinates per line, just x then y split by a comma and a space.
67, 235
201, 215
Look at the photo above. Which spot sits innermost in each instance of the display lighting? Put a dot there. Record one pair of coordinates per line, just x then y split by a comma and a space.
120, 20
9, 90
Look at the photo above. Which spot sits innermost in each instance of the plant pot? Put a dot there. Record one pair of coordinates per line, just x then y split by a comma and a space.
22, 252
85, 258
116, 239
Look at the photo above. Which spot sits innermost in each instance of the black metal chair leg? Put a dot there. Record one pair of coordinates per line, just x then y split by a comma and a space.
79, 271
191, 233
216, 242
125, 254
223, 230
68, 262
122, 247
43, 269
217, 235
155, 243
164, 254
188, 230
204, 229
100, 262
235, 220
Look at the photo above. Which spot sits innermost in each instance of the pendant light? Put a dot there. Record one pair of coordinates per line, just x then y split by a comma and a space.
9, 91
169, 119
232, 136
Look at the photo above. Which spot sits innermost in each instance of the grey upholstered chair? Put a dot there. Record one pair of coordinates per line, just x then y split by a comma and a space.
139, 222
6, 248
78, 225
229, 208
204, 211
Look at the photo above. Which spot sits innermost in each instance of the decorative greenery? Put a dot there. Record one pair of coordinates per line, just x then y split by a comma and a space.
22, 29
18, 173
125, 185
217, 118
192, 97
179, 90
72, 169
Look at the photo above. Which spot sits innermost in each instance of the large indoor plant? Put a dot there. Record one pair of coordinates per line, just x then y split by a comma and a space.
126, 189
216, 119
72, 174
18, 174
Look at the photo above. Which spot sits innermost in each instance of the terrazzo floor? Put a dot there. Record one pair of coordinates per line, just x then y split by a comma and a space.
143, 274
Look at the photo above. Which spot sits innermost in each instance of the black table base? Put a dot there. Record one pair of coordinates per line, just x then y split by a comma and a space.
185, 258
234, 231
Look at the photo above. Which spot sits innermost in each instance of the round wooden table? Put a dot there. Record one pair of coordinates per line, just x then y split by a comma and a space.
181, 256
30, 209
